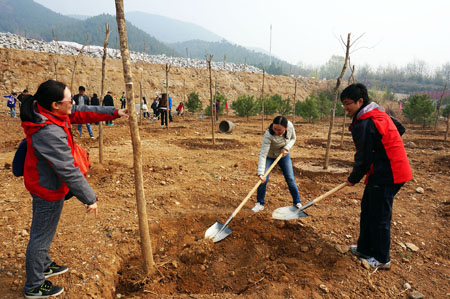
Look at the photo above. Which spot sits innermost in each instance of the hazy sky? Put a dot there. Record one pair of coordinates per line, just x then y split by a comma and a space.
395, 31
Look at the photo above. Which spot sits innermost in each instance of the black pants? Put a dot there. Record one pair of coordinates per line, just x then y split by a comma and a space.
375, 222
163, 113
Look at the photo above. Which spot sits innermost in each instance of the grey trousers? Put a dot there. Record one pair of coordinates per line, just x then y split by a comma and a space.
43, 227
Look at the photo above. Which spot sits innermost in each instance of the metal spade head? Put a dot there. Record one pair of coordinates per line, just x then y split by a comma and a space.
288, 213
217, 232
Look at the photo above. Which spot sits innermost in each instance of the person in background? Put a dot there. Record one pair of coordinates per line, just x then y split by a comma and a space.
163, 103
51, 172
217, 109
170, 109
11, 103
381, 156
95, 101
180, 109
226, 107
155, 107
108, 101
22, 96
81, 99
278, 139
123, 101
145, 112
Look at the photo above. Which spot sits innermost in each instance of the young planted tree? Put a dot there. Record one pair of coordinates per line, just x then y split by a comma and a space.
446, 113
336, 93
295, 94
419, 109
102, 93
213, 119
75, 62
262, 101
146, 246
351, 79
193, 104
55, 57
308, 109
245, 106
439, 107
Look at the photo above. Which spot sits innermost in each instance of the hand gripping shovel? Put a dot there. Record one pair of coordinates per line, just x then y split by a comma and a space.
291, 212
219, 231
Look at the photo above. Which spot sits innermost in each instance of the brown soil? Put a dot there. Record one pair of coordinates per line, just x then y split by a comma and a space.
190, 184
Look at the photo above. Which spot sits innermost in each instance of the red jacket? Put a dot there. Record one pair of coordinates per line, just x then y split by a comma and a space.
50, 169
380, 151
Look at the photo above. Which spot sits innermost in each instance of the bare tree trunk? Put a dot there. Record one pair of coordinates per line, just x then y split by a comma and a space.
208, 60
56, 56
439, 107
295, 95
74, 68
140, 99
262, 99
351, 80
102, 94
448, 126
333, 111
146, 246
167, 92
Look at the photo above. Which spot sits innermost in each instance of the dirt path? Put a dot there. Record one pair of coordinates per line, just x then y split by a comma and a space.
191, 184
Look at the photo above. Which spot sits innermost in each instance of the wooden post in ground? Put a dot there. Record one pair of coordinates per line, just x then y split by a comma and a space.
146, 246
208, 60
295, 94
262, 100
351, 80
102, 93
439, 107
141, 101
75, 62
333, 111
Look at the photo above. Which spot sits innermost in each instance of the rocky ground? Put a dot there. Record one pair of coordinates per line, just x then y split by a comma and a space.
190, 184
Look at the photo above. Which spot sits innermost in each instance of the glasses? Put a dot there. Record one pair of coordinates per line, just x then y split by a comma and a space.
67, 101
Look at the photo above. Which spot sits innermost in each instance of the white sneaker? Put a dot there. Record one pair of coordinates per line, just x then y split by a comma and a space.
258, 207
374, 264
298, 205
354, 250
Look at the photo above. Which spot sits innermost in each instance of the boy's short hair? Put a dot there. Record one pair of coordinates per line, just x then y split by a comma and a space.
355, 92
81, 88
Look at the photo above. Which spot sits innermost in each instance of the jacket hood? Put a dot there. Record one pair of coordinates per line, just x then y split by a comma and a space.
43, 117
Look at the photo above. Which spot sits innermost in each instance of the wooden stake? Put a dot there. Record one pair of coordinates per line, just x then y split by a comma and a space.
102, 94
262, 100
208, 60
295, 94
146, 246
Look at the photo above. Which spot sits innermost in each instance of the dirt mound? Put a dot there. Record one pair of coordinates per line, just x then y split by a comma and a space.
206, 143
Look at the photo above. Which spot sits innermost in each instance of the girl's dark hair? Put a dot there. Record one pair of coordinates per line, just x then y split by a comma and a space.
279, 120
48, 92
94, 95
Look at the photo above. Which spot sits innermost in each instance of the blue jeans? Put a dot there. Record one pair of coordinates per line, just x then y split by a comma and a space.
12, 111
285, 164
43, 227
375, 222
88, 126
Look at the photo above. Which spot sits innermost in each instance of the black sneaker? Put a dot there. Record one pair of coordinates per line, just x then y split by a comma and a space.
45, 290
54, 269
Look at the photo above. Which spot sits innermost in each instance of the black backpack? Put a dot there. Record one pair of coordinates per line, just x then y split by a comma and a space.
18, 163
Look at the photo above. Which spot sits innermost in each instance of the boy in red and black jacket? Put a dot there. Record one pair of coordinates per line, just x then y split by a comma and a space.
381, 155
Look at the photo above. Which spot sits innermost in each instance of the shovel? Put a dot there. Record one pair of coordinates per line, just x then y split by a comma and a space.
219, 231
291, 212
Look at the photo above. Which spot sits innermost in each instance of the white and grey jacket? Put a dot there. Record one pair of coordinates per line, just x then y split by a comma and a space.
272, 145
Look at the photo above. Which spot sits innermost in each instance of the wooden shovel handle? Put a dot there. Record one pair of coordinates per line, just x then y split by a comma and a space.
325, 195
256, 186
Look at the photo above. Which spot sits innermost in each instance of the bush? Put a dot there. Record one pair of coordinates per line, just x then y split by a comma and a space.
324, 103
308, 109
275, 104
193, 104
446, 111
245, 106
419, 109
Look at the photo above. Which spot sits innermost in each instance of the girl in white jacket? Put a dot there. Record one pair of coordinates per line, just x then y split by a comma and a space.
279, 138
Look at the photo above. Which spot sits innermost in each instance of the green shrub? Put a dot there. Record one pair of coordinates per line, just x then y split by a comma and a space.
245, 106
419, 109
308, 109
193, 104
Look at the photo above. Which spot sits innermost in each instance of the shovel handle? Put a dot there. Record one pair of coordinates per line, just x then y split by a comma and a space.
323, 196
254, 188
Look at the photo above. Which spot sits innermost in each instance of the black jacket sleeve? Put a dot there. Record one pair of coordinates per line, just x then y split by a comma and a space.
364, 134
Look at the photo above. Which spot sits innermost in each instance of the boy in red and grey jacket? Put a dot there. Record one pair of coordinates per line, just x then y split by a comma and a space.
381, 156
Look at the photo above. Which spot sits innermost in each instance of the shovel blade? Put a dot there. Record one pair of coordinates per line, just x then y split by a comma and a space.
288, 213
217, 232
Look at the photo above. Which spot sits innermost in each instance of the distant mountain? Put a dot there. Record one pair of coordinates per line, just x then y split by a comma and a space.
170, 30
79, 17
36, 21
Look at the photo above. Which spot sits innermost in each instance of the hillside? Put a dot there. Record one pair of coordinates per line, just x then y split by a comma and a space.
170, 30
36, 21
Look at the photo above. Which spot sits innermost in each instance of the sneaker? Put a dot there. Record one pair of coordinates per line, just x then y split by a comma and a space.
54, 269
298, 205
258, 207
45, 290
374, 264
92, 137
354, 250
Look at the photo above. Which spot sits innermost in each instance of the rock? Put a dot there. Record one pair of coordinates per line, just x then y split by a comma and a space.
365, 264
163, 183
284, 278
408, 233
304, 248
202, 267
407, 286
342, 248
7, 166
420, 190
324, 288
318, 251
415, 295
412, 247
175, 264
23, 233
